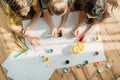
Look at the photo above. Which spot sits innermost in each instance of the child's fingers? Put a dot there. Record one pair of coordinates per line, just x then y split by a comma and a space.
32, 44
82, 38
54, 33
76, 33
35, 43
26, 32
23, 31
34, 37
38, 42
63, 32
59, 31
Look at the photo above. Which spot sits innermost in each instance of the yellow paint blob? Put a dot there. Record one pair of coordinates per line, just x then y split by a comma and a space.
96, 38
75, 50
81, 46
98, 33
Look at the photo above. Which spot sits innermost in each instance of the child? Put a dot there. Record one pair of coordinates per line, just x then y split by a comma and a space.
55, 7
92, 12
59, 8
17, 8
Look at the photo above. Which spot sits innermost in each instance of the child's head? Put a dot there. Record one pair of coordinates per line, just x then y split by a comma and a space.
58, 7
21, 7
95, 8
96, 11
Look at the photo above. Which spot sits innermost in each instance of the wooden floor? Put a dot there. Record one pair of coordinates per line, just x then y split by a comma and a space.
110, 29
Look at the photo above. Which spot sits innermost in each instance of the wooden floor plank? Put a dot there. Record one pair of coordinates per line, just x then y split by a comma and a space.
55, 75
116, 49
2, 75
107, 73
78, 73
66, 76
91, 72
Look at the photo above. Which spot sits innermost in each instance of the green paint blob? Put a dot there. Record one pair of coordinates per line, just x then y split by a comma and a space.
85, 62
50, 50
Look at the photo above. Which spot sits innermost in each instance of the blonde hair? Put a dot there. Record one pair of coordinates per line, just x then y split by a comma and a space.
18, 5
58, 7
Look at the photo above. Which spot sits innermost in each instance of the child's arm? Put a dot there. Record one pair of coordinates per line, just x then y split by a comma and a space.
35, 41
35, 18
17, 29
27, 30
48, 19
80, 21
91, 27
83, 37
15, 25
63, 22
38, 12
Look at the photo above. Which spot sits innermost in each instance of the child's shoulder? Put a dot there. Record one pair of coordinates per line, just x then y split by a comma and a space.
78, 4
71, 4
35, 4
44, 4
39, 5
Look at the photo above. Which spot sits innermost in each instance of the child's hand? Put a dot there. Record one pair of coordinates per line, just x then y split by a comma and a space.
82, 38
34, 41
62, 30
54, 32
26, 32
76, 33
